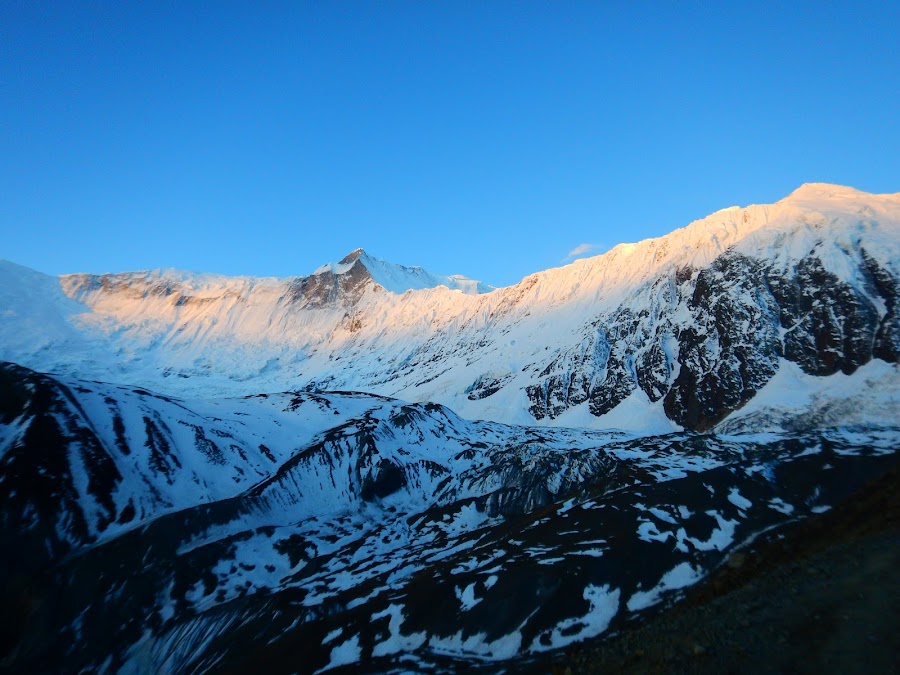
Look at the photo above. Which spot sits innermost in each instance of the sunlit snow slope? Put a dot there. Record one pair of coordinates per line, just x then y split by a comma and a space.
679, 331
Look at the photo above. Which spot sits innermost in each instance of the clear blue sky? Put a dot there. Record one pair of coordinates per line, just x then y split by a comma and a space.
483, 138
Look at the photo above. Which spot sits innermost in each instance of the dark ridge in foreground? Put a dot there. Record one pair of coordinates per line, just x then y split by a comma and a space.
313, 532
818, 596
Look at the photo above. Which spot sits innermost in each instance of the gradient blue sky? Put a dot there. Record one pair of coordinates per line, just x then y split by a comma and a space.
483, 138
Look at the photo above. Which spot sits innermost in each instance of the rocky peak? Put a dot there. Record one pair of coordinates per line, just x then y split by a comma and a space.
352, 257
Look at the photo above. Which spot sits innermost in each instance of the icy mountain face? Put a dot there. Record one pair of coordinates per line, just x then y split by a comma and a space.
675, 332
816, 289
142, 533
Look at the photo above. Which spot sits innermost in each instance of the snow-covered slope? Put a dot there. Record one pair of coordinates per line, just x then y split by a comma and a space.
678, 331
144, 533
36, 319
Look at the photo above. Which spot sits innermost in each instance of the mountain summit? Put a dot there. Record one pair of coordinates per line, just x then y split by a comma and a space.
696, 329
399, 278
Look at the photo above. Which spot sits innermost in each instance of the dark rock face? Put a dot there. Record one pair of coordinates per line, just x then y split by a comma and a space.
38, 491
746, 316
614, 360
631, 349
485, 386
706, 341
830, 325
731, 348
385, 479
328, 288
883, 284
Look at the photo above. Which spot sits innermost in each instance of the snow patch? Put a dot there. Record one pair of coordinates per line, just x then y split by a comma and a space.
604, 605
396, 641
734, 496
677, 578
478, 645
344, 654
467, 597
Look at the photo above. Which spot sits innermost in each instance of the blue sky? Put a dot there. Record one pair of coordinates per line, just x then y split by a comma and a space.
482, 138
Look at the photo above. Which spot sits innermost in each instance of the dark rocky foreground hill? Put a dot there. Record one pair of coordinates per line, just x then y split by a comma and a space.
818, 596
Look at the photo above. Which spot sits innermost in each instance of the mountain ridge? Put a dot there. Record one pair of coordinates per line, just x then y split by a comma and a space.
813, 278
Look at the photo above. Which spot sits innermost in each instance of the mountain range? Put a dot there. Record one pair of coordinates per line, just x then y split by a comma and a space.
380, 468
675, 332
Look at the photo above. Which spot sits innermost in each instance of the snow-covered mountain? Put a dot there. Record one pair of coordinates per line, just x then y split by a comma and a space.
304, 531
668, 333
453, 477
398, 278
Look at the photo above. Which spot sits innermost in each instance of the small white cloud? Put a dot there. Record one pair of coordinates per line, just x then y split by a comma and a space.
581, 249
